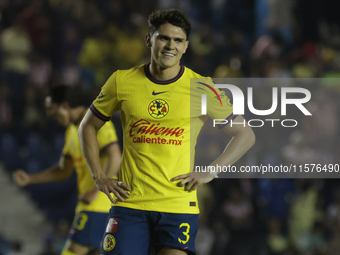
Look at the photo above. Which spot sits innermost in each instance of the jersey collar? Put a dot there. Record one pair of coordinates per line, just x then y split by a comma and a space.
148, 74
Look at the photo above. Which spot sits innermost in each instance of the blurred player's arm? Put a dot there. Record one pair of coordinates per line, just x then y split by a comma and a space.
243, 138
56, 173
88, 130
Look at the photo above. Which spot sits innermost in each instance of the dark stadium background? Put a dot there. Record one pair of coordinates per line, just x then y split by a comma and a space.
81, 42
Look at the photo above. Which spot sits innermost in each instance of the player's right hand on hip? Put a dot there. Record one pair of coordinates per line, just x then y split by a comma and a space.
21, 178
111, 185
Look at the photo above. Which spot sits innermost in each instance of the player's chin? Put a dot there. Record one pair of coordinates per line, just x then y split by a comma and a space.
169, 63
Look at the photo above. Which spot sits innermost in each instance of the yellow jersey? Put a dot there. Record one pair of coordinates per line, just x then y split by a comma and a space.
106, 136
159, 134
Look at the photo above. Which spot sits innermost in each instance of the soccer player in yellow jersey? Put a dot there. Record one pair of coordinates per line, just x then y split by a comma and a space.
93, 206
156, 203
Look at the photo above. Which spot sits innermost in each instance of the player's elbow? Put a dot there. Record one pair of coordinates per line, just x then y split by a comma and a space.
251, 137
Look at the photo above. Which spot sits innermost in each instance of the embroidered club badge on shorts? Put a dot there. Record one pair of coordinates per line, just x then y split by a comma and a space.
109, 242
112, 225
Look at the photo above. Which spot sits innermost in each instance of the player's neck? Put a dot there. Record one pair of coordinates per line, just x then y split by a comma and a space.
77, 114
163, 74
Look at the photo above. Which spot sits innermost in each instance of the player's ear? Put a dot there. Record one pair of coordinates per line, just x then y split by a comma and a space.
186, 46
148, 40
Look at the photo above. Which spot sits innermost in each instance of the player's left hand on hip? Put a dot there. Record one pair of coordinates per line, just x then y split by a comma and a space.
111, 185
192, 180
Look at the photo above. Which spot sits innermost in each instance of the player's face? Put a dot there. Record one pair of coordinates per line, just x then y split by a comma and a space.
168, 44
57, 112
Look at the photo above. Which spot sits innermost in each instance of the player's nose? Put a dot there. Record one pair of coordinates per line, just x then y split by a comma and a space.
171, 44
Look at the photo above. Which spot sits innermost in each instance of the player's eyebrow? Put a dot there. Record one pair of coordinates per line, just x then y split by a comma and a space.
168, 37
179, 39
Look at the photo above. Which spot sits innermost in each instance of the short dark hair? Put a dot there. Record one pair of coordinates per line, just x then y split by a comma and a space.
63, 93
173, 16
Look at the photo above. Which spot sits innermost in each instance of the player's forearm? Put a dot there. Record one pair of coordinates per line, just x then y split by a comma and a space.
53, 174
241, 142
90, 148
112, 165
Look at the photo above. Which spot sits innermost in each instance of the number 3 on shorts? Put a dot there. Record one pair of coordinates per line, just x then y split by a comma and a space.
186, 233
82, 221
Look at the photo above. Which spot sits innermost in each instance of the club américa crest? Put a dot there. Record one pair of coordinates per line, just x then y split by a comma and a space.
158, 108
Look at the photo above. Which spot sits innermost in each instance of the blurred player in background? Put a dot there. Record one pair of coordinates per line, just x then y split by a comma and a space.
156, 203
93, 206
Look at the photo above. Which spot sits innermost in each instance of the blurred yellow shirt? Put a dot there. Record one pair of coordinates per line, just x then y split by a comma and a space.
106, 136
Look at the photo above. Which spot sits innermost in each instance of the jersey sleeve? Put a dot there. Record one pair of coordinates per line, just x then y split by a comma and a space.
106, 135
107, 101
219, 106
